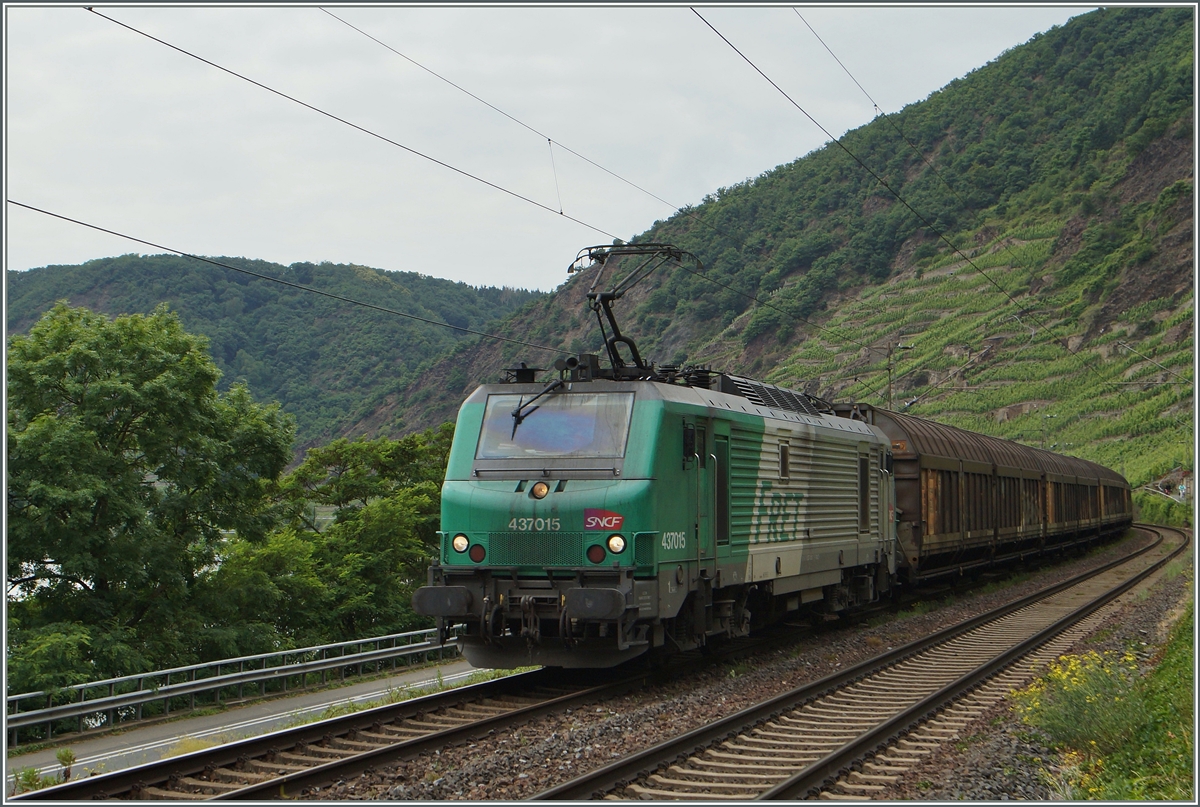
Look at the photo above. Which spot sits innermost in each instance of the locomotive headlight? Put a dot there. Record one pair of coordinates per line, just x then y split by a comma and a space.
539, 490
616, 544
459, 543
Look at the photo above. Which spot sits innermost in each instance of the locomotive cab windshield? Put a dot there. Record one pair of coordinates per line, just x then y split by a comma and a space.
565, 425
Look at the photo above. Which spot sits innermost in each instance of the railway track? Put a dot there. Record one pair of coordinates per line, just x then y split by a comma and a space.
285, 763
291, 762
850, 734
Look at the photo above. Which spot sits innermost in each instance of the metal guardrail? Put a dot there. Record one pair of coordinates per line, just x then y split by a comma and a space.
108, 706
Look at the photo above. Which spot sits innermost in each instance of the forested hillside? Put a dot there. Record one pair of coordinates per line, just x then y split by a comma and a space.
1061, 173
326, 361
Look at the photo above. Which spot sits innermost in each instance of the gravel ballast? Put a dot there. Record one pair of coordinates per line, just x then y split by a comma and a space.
994, 759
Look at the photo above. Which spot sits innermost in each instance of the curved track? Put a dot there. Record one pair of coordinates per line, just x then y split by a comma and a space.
819, 735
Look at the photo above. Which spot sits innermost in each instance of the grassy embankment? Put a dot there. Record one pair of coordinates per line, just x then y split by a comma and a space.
1122, 736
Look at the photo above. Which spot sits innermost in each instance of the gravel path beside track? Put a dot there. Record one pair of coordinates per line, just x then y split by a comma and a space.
557, 748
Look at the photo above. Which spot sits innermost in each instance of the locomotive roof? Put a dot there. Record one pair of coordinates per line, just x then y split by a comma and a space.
712, 399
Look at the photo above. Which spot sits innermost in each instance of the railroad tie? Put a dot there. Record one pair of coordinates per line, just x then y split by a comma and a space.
791, 739
228, 775
741, 776
872, 778
351, 745
745, 765
655, 793
830, 796
479, 710
860, 788
214, 786
277, 768
438, 725
801, 759
159, 794
380, 737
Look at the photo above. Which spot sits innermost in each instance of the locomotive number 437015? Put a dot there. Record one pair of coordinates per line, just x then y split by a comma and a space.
674, 540
535, 524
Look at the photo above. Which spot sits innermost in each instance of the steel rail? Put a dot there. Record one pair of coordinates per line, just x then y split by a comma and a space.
620, 773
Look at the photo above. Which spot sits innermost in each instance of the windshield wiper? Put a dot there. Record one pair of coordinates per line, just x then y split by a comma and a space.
519, 414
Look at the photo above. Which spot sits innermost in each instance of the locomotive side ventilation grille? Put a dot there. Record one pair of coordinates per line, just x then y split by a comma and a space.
643, 548
770, 395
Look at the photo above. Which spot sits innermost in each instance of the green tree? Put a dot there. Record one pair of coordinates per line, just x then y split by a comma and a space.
312, 582
376, 556
347, 474
124, 467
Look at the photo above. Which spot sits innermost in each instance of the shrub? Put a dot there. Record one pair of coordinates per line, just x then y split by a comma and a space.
1087, 701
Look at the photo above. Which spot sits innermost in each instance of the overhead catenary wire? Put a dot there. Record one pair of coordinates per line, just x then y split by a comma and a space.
924, 221
414, 151
1152, 361
283, 282
362, 129
534, 130
933, 169
552, 143
460, 171
554, 168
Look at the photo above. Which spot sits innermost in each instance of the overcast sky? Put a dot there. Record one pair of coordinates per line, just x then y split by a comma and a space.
112, 128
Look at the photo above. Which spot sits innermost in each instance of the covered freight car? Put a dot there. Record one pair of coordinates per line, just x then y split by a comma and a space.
965, 500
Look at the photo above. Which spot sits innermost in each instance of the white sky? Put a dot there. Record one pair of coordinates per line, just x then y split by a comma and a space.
109, 127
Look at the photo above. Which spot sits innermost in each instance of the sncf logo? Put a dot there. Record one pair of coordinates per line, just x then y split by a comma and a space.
594, 519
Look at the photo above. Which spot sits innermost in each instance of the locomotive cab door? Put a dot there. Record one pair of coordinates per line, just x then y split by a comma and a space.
722, 475
702, 471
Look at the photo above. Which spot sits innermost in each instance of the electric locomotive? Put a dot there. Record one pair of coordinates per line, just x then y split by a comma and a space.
627, 509
612, 516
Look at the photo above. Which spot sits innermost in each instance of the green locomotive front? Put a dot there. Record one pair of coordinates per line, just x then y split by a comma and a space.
588, 522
